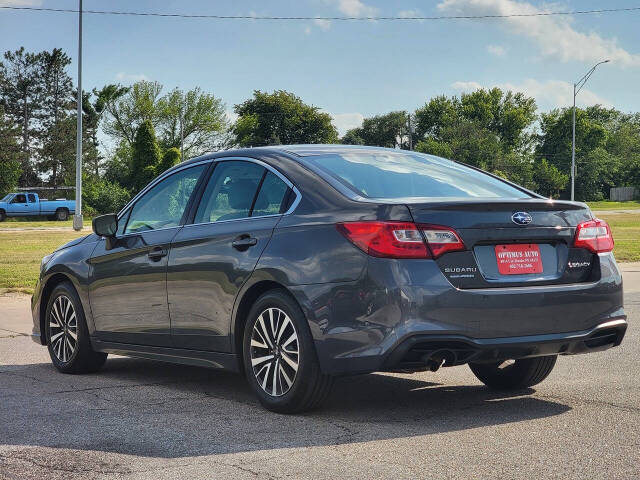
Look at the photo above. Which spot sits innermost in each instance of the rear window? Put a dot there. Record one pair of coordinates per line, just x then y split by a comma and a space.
398, 175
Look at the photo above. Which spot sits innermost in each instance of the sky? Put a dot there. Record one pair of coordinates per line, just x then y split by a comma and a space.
349, 69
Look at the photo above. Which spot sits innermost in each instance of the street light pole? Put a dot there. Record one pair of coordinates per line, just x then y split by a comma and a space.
573, 148
77, 218
576, 89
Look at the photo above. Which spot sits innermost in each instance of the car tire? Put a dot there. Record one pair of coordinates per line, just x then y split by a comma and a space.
62, 214
3, 216
292, 390
522, 373
67, 334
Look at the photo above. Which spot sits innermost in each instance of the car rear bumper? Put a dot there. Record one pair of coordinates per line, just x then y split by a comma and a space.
418, 351
402, 306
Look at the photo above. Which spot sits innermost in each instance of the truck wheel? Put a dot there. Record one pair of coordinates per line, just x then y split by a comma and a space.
62, 214
522, 373
2, 216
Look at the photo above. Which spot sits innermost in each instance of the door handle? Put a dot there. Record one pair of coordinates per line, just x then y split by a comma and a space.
243, 242
157, 253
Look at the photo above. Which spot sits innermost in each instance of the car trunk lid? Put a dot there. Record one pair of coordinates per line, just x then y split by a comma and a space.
511, 242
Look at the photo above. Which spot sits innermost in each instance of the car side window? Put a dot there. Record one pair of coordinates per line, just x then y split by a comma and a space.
32, 198
272, 197
230, 191
20, 198
164, 204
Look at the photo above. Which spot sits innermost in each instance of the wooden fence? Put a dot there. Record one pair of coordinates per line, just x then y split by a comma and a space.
622, 194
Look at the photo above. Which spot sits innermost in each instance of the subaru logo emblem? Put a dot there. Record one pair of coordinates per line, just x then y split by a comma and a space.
521, 218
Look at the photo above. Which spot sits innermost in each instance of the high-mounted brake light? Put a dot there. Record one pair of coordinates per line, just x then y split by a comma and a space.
401, 239
594, 235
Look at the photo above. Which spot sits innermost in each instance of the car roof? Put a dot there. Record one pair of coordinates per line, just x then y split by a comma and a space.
295, 151
326, 149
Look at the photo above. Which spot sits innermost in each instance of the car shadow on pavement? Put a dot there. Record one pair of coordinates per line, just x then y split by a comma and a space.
153, 409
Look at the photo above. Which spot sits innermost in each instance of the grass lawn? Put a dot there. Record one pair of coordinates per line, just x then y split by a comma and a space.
626, 234
40, 222
36, 223
606, 205
21, 252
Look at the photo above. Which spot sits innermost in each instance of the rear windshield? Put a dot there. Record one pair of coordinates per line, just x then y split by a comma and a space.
398, 175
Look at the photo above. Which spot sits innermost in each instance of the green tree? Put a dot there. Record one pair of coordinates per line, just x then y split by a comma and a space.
127, 108
59, 150
21, 94
105, 197
145, 156
196, 118
555, 145
57, 103
118, 167
281, 118
10, 154
549, 181
389, 130
170, 158
507, 116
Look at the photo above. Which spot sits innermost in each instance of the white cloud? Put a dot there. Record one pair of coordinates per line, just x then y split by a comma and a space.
497, 50
20, 3
346, 121
355, 8
131, 77
466, 86
322, 24
409, 13
550, 94
554, 36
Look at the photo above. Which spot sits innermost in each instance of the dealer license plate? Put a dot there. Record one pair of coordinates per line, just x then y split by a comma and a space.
518, 259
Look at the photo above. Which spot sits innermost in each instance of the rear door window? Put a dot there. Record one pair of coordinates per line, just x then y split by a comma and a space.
272, 198
230, 192
32, 198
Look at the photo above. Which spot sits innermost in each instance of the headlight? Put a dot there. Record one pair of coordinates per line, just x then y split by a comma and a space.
45, 260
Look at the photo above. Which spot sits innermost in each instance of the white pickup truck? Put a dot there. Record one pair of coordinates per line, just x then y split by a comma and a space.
28, 204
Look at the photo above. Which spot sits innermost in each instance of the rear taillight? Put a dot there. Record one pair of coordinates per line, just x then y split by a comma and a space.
401, 239
594, 235
441, 239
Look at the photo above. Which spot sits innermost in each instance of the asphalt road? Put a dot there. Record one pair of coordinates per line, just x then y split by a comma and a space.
144, 420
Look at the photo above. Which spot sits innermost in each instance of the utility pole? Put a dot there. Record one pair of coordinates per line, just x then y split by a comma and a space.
77, 218
576, 89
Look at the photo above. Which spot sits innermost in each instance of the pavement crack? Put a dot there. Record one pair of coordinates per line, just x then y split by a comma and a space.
628, 408
107, 387
346, 436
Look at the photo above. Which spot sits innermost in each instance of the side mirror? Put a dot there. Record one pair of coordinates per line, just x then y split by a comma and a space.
105, 225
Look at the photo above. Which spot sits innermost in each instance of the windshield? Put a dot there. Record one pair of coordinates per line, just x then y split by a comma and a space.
7, 197
396, 175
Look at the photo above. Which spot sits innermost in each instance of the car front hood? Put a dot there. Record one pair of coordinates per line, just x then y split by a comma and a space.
76, 241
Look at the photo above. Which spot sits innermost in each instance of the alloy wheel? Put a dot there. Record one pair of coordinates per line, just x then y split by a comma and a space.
63, 329
274, 351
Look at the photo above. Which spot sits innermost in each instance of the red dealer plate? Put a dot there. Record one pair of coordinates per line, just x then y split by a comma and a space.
518, 259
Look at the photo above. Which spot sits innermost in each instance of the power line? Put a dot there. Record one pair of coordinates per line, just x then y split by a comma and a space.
265, 17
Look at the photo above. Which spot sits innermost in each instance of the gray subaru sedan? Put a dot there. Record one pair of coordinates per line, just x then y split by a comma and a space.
297, 264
